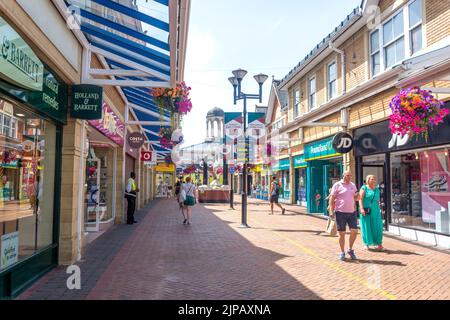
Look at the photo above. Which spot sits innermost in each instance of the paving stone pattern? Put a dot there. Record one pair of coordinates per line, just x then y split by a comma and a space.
281, 257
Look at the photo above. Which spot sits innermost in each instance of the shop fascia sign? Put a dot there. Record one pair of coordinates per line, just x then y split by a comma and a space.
18, 63
299, 161
149, 158
320, 149
87, 102
9, 249
110, 125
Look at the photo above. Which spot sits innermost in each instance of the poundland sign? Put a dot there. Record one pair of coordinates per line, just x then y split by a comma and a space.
87, 102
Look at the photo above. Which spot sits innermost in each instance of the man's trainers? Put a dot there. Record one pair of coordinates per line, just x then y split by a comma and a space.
352, 254
342, 256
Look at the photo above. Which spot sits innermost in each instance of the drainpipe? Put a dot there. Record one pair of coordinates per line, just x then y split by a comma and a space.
342, 53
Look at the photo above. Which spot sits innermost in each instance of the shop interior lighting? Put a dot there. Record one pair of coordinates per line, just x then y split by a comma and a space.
20, 115
417, 156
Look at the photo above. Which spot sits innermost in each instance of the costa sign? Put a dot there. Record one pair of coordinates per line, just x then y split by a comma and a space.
343, 142
136, 140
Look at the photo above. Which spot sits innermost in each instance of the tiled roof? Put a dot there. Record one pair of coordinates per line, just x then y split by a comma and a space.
324, 43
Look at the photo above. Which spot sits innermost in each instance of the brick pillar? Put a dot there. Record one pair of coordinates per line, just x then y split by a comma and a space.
120, 186
70, 191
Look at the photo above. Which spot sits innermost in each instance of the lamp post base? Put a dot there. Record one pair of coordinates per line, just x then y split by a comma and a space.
244, 226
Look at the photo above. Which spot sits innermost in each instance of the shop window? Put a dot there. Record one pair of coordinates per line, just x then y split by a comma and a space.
27, 169
296, 103
420, 190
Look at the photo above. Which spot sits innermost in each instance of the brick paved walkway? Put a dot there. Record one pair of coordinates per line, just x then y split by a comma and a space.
280, 257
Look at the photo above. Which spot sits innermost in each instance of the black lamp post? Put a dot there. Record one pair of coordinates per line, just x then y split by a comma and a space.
236, 80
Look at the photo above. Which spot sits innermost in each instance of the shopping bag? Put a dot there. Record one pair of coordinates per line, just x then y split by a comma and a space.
331, 227
182, 195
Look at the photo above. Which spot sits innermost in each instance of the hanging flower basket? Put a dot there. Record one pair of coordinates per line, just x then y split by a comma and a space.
414, 112
175, 100
165, 137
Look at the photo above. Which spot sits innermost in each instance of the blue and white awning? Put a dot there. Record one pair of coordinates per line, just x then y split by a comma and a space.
141, 45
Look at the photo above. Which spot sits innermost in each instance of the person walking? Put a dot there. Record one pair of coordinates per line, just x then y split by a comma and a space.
190, 201
371, 222
275, 194
178, 190
344, 194
130, 195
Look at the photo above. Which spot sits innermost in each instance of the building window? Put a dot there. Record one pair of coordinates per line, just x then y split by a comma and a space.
375, 52
296, 103
312, 92
420, 189
415, 26
332, 76
397, 38
394, 40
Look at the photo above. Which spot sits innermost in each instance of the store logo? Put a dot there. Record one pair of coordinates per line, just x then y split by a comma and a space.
136, 140
343, 143
74, 280
22, 61
398, 141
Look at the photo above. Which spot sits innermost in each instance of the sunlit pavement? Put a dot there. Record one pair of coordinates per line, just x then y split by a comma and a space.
279, 257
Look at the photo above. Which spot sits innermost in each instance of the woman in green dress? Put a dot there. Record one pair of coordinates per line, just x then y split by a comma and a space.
371, 221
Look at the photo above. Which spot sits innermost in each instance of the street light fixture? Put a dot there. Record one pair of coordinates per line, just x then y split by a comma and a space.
239, 95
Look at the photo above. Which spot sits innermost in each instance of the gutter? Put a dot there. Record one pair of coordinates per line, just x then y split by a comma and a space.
343, 66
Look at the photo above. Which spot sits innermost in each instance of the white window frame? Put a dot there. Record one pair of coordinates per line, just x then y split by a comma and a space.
296, 102
394, 40
329, 96
410, 29
406, 35
310, 105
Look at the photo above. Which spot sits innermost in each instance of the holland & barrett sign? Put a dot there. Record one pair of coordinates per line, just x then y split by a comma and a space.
86, 102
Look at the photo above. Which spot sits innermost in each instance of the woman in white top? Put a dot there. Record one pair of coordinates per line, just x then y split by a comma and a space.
191, 195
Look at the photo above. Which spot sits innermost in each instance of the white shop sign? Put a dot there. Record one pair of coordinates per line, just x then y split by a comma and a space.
9, 249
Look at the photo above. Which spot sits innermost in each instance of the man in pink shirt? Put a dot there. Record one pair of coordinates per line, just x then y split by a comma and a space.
342, 206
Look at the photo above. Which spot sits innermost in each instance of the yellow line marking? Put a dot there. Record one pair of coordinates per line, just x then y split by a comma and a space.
333, 266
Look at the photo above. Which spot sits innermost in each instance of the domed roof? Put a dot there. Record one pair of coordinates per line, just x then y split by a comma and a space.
216, 112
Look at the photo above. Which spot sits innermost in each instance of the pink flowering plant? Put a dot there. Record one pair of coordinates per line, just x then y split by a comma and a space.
175, 100
414, 111
165, 137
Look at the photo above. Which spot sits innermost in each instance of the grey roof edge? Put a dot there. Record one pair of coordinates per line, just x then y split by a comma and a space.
357, 12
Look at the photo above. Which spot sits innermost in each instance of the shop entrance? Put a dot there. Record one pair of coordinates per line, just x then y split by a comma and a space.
322, 174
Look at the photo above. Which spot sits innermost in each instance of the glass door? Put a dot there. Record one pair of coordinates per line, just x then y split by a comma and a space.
92, 196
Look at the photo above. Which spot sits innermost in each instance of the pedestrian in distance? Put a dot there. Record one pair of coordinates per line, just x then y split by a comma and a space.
131, 194
344, 194
191, 195
371, 222
178, 190
275, 194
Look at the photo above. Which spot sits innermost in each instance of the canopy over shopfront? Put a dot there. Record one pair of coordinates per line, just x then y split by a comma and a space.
141, 45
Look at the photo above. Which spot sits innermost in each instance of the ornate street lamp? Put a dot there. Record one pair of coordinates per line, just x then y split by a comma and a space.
236, 80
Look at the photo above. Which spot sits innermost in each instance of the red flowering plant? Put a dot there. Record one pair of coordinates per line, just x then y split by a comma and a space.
414, 112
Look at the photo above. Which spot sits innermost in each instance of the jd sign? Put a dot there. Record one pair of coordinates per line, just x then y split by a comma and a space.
343, 142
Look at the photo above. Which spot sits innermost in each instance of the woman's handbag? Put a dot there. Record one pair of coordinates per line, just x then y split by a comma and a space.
331, 227
368, 210
182, 195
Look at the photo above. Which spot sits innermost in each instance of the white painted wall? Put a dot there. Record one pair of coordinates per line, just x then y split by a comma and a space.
50, 21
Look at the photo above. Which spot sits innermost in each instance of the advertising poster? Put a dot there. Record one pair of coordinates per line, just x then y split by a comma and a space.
9, 249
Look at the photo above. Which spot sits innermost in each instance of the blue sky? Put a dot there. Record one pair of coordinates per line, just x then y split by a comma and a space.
269, 36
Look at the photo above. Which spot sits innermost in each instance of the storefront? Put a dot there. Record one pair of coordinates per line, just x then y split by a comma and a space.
300, 166
105, 143
33, 104
414, 176
282, 172
324, 168
164, 179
